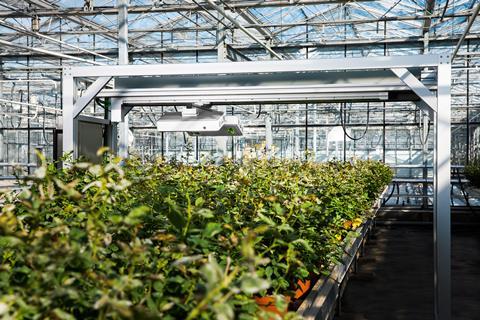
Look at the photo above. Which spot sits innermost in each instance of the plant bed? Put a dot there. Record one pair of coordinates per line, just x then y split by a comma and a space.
323, 299
167, 240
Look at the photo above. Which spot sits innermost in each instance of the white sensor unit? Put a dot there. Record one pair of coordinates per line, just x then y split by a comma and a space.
205, 123
231, 127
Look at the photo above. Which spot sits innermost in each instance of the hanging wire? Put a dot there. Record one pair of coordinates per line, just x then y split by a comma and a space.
100, 102
259, 110
419, 127
342, 121
43, 128
276, 120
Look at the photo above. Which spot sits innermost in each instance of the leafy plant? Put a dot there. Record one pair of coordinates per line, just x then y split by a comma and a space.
168, 240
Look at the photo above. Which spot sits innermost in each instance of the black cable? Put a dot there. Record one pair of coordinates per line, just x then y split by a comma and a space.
259, 110
342, 121
99, 102
451, 195
380, 138
462, 189
276, 120
391, 193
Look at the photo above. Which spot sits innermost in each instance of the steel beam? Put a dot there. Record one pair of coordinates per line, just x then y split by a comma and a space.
122, 31
284, 25
474, 15
251, 19
123, 139
81, 21
122, 60
91, 92
68, 89
368, 63
234, 54
253, 47
139, 9
245, 30
429, 6
441, 203
398, 64
249, 99
418, 87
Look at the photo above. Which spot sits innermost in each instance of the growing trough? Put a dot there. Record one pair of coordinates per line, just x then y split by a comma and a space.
324, 298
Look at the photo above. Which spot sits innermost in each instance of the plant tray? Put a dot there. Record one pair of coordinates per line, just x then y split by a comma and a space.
325, 295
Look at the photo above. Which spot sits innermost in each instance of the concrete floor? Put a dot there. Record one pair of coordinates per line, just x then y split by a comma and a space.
395, 276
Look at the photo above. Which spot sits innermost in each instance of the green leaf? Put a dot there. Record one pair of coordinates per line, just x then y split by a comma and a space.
268, 271
175, 216
206, 213
158, 286
60, 314
224, 311
304, 243
251, 284
212, 229
199, 202
212, 273
135, 215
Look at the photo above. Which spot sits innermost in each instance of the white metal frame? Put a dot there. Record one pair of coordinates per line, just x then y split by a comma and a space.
437, 104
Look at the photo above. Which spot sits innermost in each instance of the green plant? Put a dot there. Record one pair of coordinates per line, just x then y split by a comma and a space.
174, 241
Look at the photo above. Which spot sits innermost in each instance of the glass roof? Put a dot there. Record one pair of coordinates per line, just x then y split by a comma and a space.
174, 27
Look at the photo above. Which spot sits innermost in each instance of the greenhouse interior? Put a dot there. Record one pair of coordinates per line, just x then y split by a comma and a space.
240, 159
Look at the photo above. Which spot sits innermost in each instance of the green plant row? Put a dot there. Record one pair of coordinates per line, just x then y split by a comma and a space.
174, 241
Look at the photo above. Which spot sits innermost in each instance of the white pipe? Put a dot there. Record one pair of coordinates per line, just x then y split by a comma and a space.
31, 105
48, 52
14, 81
39, 35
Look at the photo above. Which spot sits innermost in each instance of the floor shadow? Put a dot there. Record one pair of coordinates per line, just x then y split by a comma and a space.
395, 276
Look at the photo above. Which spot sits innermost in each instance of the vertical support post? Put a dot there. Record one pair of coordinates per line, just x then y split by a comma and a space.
441, 205
122, 6
222, 141
306, 132
344, 110
296, 151
122, 59
123, 138
424, 137
115, 115
68, 88
221, 57
384, 132
268, 135
467, 150
315, 133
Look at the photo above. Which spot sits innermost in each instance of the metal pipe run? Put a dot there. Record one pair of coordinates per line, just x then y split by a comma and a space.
31, 105
166, 7
40, 35
245, 30
48, 52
